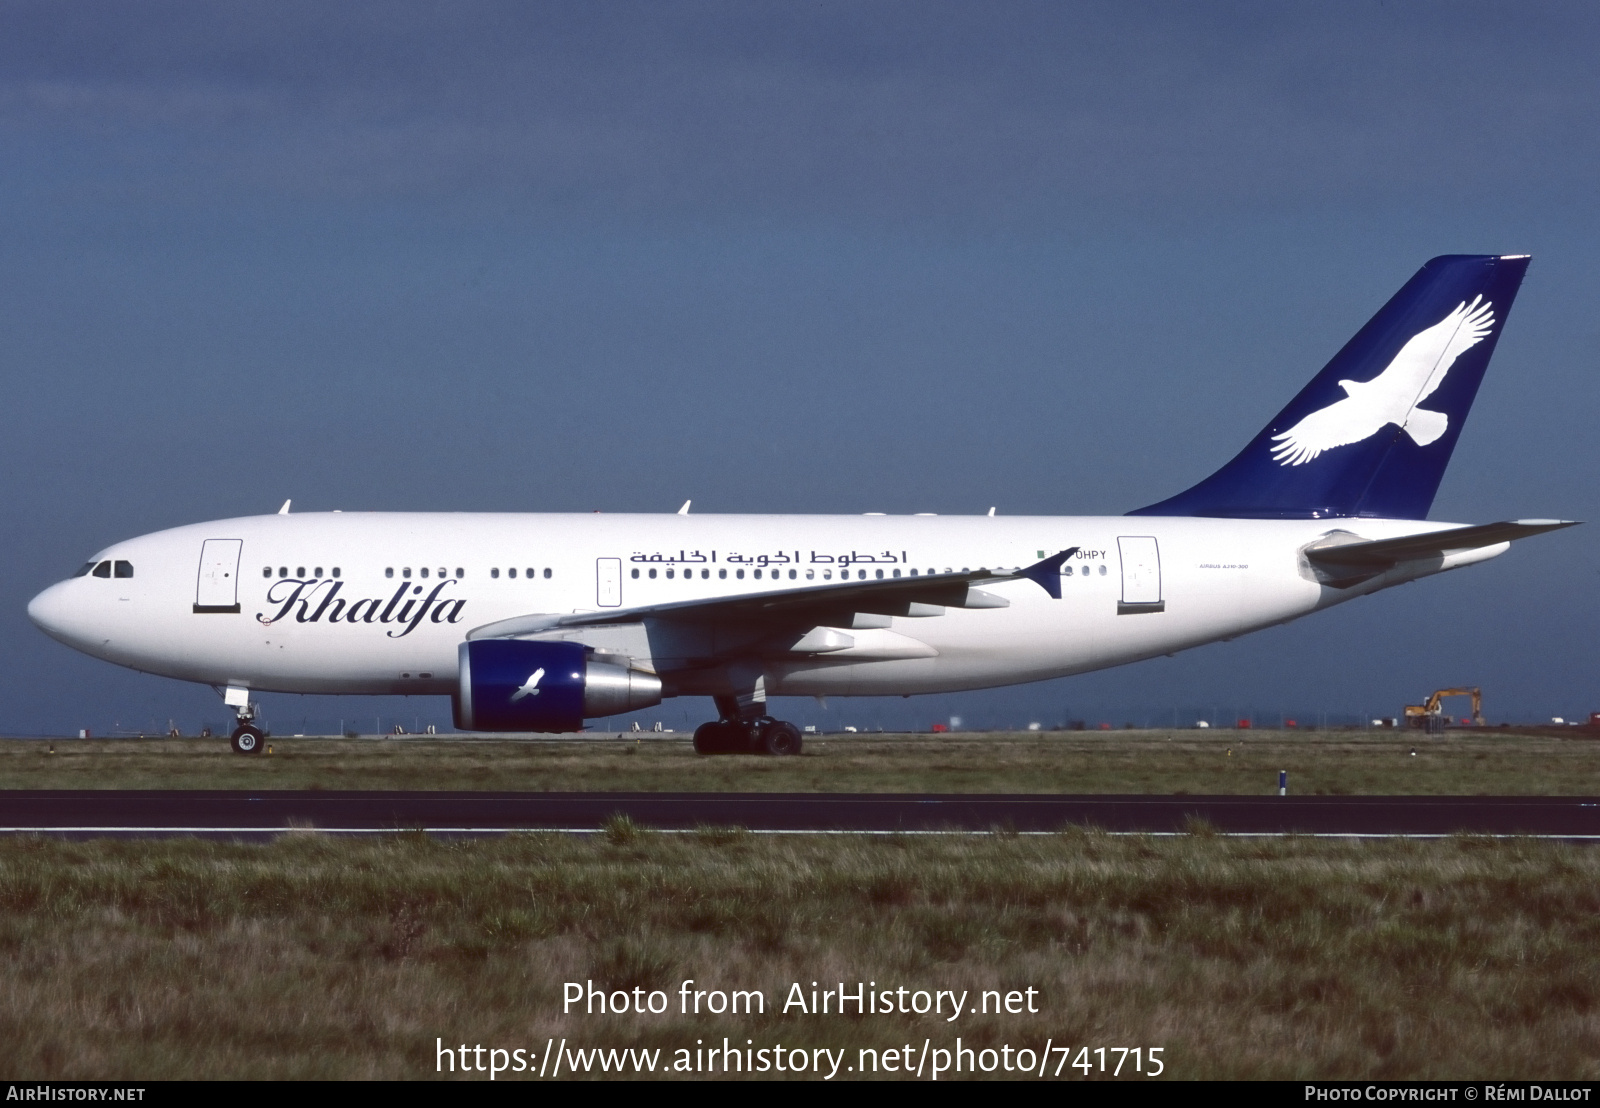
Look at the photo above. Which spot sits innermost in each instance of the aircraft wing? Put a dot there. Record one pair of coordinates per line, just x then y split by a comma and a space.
1383, 553
814, 605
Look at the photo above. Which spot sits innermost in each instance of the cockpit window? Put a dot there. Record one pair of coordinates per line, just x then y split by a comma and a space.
123, 569
103, 569
84, 572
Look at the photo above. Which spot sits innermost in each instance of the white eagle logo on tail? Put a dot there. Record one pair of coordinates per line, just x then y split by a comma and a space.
1393, 395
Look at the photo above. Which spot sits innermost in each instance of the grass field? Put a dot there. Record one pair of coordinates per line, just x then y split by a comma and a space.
1226, 762
322, 957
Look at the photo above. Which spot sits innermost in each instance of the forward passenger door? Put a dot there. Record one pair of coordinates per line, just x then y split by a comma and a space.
217, 590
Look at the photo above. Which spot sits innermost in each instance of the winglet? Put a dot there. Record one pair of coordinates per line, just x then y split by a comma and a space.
1047, 573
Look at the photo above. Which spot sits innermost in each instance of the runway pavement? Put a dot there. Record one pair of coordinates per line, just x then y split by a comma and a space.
265, 814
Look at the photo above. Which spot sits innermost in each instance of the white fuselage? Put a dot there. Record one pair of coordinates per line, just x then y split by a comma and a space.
367, 602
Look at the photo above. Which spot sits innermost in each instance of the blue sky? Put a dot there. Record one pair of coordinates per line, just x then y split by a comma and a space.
826, 257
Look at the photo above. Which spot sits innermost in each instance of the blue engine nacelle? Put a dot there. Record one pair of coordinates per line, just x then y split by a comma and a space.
514, 685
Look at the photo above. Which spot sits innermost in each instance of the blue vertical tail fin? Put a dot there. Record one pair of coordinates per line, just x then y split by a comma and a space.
1372, 433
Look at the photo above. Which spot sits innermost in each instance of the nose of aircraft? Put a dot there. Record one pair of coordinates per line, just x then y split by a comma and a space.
51, 611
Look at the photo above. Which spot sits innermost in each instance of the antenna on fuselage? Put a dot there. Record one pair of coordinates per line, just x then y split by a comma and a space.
683, 511
283, 511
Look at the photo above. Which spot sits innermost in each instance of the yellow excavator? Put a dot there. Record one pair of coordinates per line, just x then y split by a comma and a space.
1428, 717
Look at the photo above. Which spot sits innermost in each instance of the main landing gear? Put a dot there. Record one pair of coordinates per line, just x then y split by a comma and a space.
758, 736
745, 728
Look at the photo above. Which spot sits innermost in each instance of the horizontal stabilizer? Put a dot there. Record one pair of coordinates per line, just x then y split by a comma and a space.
1381, 553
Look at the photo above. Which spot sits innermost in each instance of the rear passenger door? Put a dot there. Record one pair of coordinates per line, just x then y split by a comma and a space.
1141, 575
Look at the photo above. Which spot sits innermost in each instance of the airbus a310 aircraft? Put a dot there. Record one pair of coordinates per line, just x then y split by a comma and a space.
538, 622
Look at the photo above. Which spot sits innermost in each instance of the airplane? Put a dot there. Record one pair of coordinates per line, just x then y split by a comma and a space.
538, 622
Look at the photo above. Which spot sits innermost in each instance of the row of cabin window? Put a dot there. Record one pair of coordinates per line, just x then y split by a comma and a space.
125, 569
530, 573
794, 574
300, 571
811, 574
106, 569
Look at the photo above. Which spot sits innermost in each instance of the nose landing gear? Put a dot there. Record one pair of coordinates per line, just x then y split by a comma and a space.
247, 738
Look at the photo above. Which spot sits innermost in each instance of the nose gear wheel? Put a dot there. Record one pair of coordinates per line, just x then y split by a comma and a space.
247, 739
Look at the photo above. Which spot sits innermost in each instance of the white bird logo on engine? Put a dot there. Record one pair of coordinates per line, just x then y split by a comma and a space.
530, 687
1393, 395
